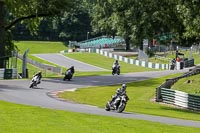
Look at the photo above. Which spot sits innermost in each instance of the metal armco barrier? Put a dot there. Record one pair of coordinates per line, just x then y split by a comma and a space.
8, 73
181, 99
43, 66
165, 94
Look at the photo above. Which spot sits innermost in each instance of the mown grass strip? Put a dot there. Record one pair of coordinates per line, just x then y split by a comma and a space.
17, 118
40, 46
105, 62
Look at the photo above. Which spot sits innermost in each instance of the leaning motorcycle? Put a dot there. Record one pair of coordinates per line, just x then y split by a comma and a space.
68, 75
120, 101
34, 82
173, 64
115, 70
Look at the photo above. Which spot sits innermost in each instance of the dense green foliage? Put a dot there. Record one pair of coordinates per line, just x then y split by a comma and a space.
167, 21
28, 12
138, 19
131, 19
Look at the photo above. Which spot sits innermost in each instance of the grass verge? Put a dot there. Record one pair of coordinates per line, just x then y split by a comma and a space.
17, 118
40, 46
189, 85
141, 96
105, 62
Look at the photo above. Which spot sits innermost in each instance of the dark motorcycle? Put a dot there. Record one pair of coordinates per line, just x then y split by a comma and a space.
173, 64
68, 75
120, 104
115, 70
34, 82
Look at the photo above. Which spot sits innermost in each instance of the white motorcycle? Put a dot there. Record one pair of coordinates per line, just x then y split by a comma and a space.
120, 104
34, 82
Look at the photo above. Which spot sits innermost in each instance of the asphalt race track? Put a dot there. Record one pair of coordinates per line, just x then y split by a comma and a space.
64, 61
18, 91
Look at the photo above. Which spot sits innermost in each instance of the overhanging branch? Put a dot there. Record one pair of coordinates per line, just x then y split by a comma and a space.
27, 17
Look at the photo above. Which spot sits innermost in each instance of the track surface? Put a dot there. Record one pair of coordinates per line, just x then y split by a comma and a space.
64, 61
18, 91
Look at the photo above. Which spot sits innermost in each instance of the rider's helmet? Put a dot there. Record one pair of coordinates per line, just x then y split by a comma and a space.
39, 72
123, 87
116, 61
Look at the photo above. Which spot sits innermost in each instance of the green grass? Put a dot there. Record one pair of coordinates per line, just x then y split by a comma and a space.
140, 93
105, 62
191, 87
17, 118
54, 47
40, 47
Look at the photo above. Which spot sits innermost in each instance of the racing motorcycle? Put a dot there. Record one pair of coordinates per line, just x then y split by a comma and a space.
68, 75
115, 70
173, 64
34, 82
120, 104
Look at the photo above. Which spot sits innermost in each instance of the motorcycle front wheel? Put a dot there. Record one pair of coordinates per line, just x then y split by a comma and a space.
121, 107
118, 73
107, 108
31, 86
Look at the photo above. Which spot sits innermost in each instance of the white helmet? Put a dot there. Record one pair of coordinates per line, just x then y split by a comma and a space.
123, 87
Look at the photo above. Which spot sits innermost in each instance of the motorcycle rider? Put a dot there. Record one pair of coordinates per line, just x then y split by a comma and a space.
173, 64
69, 73
119, 92
115, 66
39, 74
72, 69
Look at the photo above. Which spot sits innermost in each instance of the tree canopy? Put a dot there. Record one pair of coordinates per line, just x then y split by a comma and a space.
30, 12
134, 20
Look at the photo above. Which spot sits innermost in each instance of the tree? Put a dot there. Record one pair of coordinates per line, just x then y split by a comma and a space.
135, 20
109, 18
72, 25
2, 33
188, 12
29, 12
126, 18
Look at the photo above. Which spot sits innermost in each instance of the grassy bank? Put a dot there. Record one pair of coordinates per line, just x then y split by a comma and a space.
141, 96
28, 119
105, 62
189, 85
40, 46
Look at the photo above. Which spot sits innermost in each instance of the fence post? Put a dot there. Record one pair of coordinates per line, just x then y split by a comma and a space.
158, 95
